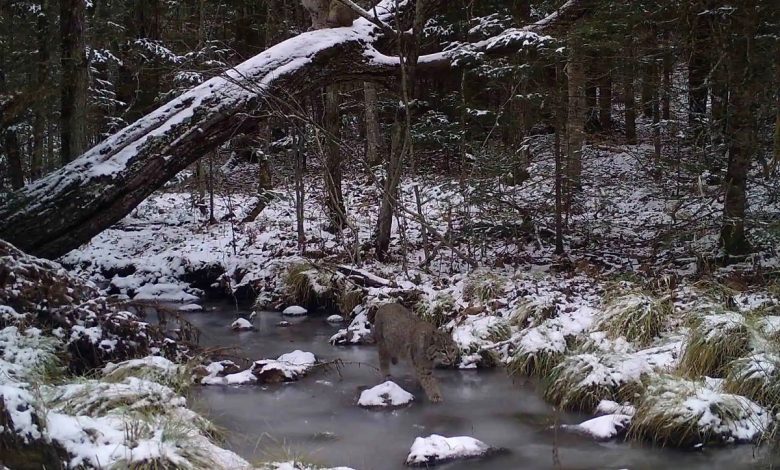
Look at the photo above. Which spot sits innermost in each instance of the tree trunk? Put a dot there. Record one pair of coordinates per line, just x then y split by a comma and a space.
332, 125
629, 99
95, 191
605, 101
521, 10
742, 129
41, 78
698, 69
575, 120
401, 144
73, 99
14, 156
719, 98
373, 132
390, 188
666, 83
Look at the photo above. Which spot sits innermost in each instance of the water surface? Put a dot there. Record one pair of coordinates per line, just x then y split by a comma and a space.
316, 419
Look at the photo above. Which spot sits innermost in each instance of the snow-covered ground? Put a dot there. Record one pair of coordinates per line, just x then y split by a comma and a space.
621, 308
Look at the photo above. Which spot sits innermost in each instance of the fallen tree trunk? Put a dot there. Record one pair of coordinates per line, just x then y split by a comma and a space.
68, 207
65, 209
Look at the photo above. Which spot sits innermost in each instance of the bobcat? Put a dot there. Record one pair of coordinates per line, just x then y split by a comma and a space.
399, 333
328, 13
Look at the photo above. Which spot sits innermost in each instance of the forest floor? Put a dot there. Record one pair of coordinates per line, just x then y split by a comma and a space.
641, 306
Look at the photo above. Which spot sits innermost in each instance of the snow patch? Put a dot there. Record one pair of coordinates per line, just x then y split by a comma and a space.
385, 394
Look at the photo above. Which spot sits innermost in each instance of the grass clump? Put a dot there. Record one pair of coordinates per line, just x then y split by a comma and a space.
297, 283
483, 286
534, 312
684, 413
581, 381
534, 363
178, 377
757, 377
437, 311
164, 442
95, 398
638, 317
305, 285
717, 337
538, 351
348, 299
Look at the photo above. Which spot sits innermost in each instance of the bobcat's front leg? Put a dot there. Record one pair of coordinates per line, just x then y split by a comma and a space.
384, 360
429, 385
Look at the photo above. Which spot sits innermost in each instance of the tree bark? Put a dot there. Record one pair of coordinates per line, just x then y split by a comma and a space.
14, 156
73, 99
698, 68
41, 78
575, 120
333, 173
741, 129
605, 100
373, 132
629, 75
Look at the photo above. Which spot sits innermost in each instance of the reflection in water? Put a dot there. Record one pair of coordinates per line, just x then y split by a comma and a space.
317, 420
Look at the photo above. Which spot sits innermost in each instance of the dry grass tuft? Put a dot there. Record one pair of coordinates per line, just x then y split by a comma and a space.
757, 377
483, 286
581, 381
717, 338
683, 413
638, 317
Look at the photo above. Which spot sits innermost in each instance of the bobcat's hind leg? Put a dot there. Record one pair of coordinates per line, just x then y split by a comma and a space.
430, 386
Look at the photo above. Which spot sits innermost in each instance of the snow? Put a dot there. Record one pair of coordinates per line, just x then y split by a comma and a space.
242, 324
292, 363
437, 449
190, 308
294, 310
604, 427
358, 331
164, 292
158, 363
385, 394
290, 366
335, 319
612, 407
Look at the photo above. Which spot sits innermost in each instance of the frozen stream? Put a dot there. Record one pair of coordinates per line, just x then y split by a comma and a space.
316, 419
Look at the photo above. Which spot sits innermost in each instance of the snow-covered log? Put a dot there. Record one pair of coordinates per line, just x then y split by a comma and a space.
67, 208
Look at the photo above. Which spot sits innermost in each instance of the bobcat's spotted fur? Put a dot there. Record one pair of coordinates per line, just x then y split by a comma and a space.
401, 334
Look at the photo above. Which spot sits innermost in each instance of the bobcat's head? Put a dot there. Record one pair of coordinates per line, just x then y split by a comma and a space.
443, 350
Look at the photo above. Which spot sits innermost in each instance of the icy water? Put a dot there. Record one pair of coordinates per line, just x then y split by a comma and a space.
316, 419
